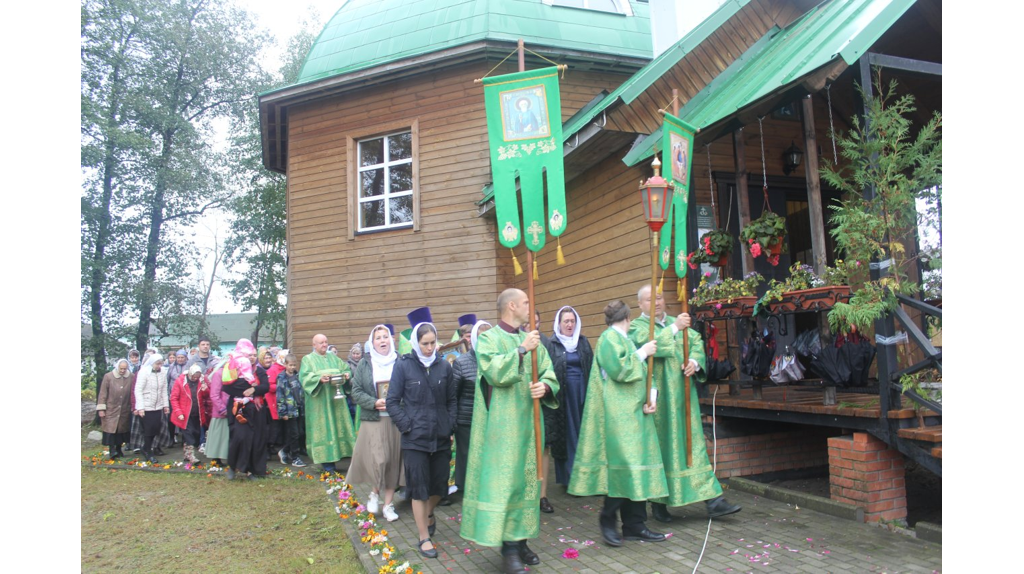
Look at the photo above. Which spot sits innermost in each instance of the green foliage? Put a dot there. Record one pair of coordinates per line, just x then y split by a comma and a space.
800, 277
714, 245
881, 155
725, 289
762, 233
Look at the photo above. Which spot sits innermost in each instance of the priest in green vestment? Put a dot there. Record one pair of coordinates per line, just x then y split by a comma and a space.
618, 454
501, 506
685, 485
329, 434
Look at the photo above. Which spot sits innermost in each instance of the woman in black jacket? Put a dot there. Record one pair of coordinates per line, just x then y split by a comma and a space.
571, 358
422, 403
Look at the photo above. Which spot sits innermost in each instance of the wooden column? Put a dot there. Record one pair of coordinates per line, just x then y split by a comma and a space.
742, 196
813, 186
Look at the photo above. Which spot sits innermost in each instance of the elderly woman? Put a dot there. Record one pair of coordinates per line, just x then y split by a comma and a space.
421, 401
377, 458
114, 407
190, 408
266, 360
571, 358
246, 383
151, 402
355, 354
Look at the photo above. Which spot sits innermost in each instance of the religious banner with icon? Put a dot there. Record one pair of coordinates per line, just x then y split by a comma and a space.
524, 127
677, 157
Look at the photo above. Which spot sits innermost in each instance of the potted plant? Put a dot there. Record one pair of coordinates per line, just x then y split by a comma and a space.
764, 236
725, 297
715, 247
805, 290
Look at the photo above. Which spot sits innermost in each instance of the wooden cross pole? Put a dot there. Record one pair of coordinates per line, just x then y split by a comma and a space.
533, 326
686, 334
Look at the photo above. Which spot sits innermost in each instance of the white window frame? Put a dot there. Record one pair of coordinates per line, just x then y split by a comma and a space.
622, 6
355, 199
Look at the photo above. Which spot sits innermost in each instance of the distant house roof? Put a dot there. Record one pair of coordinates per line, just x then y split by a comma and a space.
226, 327
367, 33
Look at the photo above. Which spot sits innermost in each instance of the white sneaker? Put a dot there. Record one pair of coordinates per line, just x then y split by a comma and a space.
373, 504
389, 513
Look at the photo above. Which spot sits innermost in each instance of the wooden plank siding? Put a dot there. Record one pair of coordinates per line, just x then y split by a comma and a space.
342, 286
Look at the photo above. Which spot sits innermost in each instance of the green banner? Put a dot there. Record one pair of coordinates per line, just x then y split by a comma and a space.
524, 127
676, 160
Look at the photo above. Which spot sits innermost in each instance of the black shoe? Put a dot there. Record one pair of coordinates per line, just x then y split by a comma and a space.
528, 556
660, 512
644, 534
721, 507
610, 534
159, 451
231, 474
545, 506
512, 564
432, 553
432, 527
445, 501
329, 467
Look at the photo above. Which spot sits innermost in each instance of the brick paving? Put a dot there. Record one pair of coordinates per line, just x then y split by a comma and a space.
766, 536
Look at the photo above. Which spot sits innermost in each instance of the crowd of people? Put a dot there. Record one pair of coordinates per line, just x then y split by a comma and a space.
396, 407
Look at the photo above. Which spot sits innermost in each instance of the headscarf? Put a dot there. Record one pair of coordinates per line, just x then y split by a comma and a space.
282, 357
118, 364
262, 352
195, 368
568, 342
238, 362
182, 353
424, 360
150, 360
475, 333
382, 364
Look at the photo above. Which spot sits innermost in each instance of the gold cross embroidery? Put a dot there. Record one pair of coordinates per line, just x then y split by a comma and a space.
535, 230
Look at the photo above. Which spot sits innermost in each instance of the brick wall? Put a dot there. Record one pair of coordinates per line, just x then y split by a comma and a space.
865, 472
763, 453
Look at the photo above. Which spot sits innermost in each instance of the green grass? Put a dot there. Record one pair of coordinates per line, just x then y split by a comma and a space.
163, 522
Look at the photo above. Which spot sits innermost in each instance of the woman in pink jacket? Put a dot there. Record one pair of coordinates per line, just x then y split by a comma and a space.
217, 437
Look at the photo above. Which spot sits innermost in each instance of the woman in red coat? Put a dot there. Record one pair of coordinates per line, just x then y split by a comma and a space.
274, 435
191, 408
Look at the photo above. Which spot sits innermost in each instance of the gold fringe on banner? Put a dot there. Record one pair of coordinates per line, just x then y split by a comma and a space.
680, 288
515, 263
536, 276
661, 283
559, 257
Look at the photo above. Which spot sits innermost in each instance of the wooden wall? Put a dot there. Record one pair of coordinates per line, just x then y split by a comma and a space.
342, 287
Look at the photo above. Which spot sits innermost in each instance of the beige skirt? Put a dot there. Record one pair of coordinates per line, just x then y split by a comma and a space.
377, 458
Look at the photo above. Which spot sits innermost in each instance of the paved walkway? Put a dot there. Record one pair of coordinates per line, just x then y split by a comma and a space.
766, 536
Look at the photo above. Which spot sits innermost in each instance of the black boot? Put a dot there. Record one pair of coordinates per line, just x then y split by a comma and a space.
511, 563
610, 533
721, 507
526, 555
660, 512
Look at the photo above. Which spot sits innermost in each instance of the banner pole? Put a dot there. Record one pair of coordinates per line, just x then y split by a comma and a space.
686, 334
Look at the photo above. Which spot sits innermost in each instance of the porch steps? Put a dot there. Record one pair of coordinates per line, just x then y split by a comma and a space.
927, 434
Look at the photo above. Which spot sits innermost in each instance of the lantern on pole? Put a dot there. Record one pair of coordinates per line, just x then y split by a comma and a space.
656, 197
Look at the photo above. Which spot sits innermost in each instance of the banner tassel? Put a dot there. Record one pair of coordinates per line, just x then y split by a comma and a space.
559, 256
681, 294
515, 263
536, 276
661, 283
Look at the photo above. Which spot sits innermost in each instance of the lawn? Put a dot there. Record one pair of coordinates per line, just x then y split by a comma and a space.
162, 522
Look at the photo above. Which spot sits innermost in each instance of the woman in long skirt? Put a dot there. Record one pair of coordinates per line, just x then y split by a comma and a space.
248, 415
377, 458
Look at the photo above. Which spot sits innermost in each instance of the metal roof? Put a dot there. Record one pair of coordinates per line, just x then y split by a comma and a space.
783, 57
368, 33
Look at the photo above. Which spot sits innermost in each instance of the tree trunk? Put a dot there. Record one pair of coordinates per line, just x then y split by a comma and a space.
153, 245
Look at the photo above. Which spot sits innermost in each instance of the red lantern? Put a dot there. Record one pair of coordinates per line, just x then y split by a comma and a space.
656, 196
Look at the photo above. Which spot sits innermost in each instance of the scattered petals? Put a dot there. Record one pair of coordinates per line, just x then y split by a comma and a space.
571, 554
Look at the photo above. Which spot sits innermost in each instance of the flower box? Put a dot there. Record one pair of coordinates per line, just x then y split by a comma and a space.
725, 309
815, 299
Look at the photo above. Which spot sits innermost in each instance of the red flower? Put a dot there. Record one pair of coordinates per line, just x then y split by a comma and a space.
689, 260
773, 259
755, 249
571, 553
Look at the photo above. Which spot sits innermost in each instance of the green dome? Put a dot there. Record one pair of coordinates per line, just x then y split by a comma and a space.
368, 33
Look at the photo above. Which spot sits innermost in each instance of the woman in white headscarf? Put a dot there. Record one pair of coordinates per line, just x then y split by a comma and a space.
571, 358
114, 407
421, 401
151, 402
377, 458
